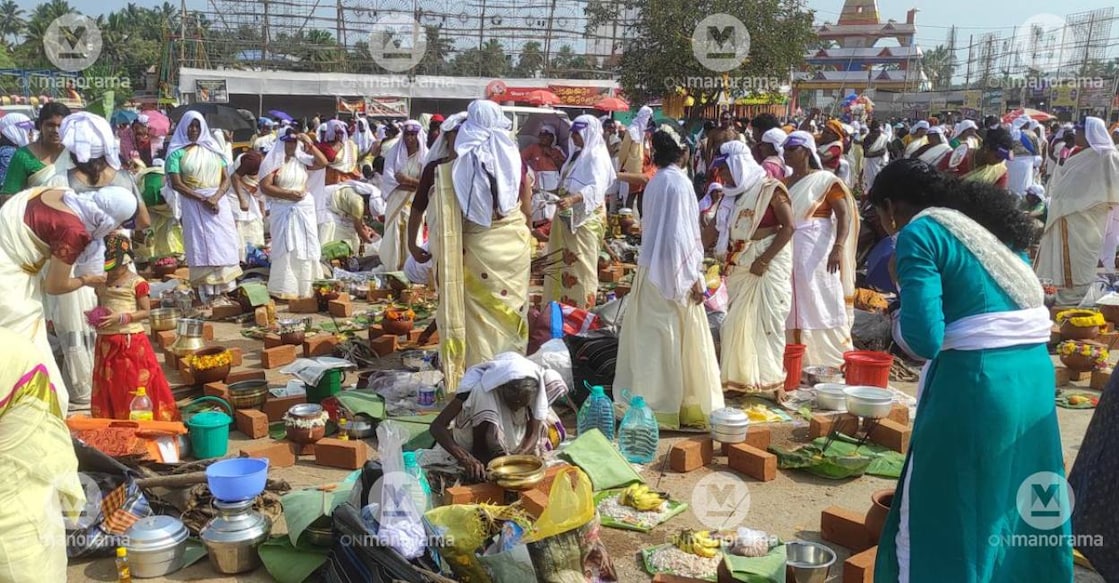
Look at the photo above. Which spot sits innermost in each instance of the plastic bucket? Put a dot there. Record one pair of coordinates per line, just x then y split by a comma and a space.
209, 430
864, 367
794, 364
237, 479
329, 385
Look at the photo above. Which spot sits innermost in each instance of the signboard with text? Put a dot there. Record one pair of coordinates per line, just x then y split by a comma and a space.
211, 91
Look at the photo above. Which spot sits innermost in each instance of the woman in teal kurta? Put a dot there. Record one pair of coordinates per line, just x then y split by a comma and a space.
986, 420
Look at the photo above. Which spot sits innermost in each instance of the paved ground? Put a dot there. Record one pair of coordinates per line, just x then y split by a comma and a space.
788, 506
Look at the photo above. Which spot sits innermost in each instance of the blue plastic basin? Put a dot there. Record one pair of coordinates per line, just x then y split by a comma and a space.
237, 479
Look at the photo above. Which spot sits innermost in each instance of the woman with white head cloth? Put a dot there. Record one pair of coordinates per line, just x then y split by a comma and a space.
52, 243
580, 220
364, 141
1083, 193
295, 250
772, 153
917, 138
744, 172
665, 351
93, 165
404, 165
15, 133
759, 264
1020, 168
876, 154
223, 145
37, 162
827, 229
197, 171
936, 152
633, 153
480, 241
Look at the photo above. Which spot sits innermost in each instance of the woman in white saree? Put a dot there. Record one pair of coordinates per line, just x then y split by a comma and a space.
404, 164
580, 220
759, 269
295, 238
197, 171
827, 230
1083, 192
665, 352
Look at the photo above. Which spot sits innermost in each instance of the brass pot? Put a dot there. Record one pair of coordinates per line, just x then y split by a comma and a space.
516, 472
164, 319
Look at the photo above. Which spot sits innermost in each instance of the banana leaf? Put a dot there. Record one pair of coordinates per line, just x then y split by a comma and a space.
843, 459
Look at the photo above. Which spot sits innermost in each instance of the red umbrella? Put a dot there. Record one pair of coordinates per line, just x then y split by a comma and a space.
1031, 113
612, 104
542, 97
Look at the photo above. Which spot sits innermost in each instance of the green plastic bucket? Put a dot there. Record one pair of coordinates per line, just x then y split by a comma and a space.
329, 385
209, 430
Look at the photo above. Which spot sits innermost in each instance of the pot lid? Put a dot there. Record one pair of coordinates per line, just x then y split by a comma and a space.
729, 416
236, 522
208, 419
156, 533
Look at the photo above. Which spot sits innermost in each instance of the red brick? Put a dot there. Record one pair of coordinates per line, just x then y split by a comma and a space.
380, 295
622, 290
185, 372
533, 501
208, 332
165, 338
860, 568
348, 454
550, 476
320, 345
251, 422
1100, 379
304, 306
823, 424
756, 463
279, 356
486, 492
343, 297
414, 335
891, 434
375, 332
272, 340
237, 355
690, 454
279, 454
302, 449
409, 297
244, 375
216, 390
340, 309
899, 414
260, 316
845, 528
384, 346
181, 273
225, 312
275, 407
1064, 376
758, 436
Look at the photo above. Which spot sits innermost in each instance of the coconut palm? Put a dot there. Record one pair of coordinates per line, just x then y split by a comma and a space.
939, 65
12, 23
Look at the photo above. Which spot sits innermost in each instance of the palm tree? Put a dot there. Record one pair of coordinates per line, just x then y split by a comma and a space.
12, 23
939, 65
531, 60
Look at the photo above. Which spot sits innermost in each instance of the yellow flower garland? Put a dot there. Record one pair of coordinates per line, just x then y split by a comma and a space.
211, 361
1081, 318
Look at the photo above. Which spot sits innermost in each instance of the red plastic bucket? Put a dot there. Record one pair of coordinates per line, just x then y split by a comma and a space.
794, 362
865, 367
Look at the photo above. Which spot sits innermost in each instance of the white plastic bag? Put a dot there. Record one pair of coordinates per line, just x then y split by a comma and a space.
401, 523
554, 355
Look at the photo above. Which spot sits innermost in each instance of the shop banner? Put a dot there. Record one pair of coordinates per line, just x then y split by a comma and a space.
211, 91
1066, 96
351, 106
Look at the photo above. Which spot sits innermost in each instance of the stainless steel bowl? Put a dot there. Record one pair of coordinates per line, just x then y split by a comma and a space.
359, 429
869, 402
306, 411
191, 327
810, 561
831, 396
164, 319
816, 375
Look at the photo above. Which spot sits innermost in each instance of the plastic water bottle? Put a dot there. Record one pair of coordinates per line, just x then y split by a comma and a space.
422, 499
140, 409
638, 433
597, 412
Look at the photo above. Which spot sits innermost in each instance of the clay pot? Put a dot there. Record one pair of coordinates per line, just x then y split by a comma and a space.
1071, 332
1078, 362
304, 435
1110, 313
295, 337
398, 321
876, 515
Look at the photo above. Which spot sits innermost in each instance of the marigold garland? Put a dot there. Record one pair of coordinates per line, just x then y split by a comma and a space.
1098, 354
211, 361
1081, 318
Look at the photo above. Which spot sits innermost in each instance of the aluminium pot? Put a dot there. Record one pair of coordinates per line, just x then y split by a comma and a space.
233, 536
156, 546
830, 397
728, 425
869, 402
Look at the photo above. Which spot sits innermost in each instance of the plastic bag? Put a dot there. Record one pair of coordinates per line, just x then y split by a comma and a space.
460, 531
555, 356
401, 524
570, 505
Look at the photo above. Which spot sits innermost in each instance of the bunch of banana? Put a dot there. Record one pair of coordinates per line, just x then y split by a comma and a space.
697, 543
640, 497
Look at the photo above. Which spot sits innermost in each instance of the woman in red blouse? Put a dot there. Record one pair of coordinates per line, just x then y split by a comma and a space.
55, 230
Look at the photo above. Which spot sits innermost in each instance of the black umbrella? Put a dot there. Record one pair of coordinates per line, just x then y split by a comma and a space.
217, 116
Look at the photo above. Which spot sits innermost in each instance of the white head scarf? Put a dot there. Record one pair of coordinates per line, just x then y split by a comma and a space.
205, 138
142, 119
227, 150
397, 156
640, 123
921, 125
1095, 130
101, 212
88, 136
439, 149
1016, 127
966, 125
1037, 190
335, 130
486, 148
277, 156
363, 137
806, 140
17, 128
590, 167
548, 129
776, 137
745, 171
671, 245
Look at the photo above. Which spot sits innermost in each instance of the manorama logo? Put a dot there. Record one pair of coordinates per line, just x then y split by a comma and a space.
721, 42
1045, 501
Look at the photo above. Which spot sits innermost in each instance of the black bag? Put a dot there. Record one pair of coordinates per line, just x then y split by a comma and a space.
594, 356
357, 557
